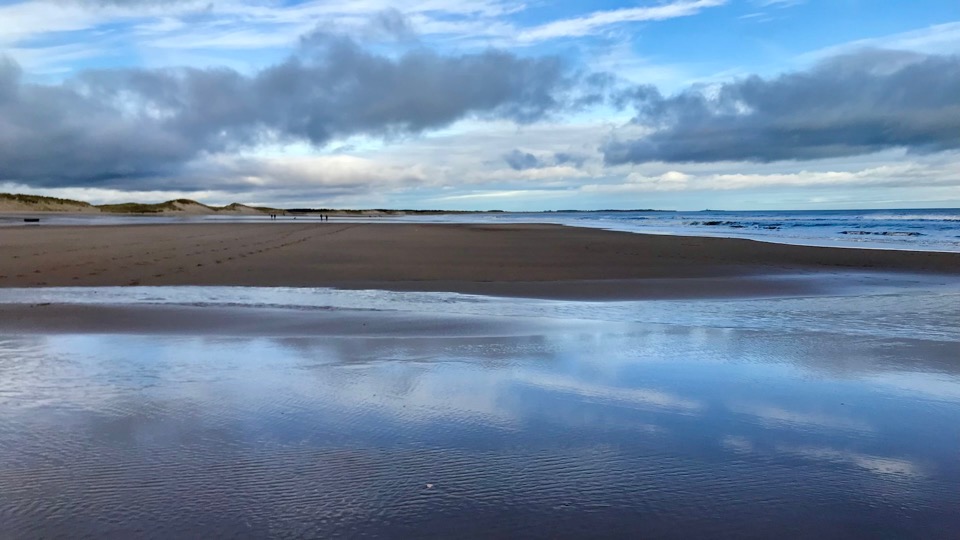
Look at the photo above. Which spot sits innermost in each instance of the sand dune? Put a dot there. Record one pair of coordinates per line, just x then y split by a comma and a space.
31, 203
36, 204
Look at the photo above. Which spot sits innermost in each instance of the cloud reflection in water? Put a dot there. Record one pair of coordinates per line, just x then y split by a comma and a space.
610, 430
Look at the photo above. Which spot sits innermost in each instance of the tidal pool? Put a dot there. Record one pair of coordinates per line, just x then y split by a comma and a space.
747, 419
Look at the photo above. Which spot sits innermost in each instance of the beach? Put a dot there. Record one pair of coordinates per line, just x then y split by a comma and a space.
516, 260
471, 381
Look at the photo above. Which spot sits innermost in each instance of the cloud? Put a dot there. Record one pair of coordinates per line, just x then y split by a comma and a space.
849, 105
518, 160
777, 3
322, 174
569, 158
937, 39
128, 3
393, 24
112, 127
883, 176
598, 20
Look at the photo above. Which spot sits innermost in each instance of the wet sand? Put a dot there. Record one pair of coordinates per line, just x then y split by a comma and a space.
163, 412
818, 417
544, 261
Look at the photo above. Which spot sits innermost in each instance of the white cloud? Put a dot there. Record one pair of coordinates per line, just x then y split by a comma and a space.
913, 174
334, 170
777, 3
936, 39
28, 19
599, 20
519, 194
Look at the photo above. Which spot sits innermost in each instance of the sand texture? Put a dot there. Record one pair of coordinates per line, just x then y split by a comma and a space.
518, 260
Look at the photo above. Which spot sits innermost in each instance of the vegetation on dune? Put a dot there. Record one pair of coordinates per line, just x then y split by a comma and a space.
268, 210
240, 206
138, 208
39, 199
176, 205
144, 208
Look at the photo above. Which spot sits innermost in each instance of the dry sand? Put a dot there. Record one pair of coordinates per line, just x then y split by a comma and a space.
517, 260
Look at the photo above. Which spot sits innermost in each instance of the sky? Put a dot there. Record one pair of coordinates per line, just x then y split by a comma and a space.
484, 104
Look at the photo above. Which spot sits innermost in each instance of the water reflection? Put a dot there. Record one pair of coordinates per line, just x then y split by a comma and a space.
658, 430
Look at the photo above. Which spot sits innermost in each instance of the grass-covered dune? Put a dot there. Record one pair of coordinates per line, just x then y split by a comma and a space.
176, 205
20, 202
24, 203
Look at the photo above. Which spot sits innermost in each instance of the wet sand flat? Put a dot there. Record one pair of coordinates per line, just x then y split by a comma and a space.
519, 260
450, 417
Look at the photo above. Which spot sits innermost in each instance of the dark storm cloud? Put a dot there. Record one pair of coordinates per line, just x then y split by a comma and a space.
106, 127
850, 105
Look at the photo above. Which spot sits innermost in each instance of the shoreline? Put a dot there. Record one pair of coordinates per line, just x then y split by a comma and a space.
866, 241
392, 311
520, 260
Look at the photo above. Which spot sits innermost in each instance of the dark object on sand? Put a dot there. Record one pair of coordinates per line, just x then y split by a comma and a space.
31, 220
